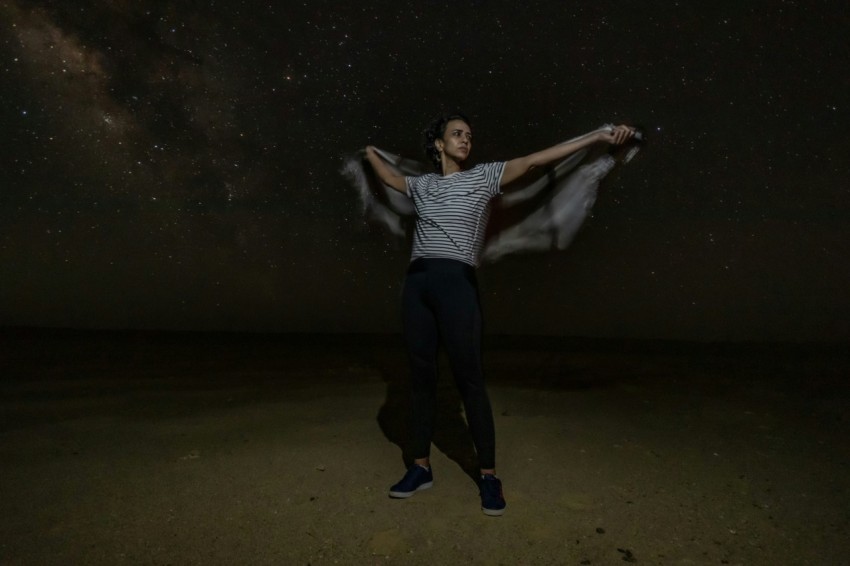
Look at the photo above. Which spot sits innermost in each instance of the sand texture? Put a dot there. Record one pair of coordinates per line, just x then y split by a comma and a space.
140, 448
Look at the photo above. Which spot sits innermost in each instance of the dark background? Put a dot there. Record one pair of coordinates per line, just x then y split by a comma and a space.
176, 165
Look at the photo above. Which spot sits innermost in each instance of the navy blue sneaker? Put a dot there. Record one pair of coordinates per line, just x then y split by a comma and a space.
417, 478
492, 500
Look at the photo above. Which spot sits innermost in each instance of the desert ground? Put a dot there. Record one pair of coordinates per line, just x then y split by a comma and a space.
177, 448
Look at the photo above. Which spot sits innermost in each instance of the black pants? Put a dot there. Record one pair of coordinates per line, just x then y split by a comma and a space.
440, 304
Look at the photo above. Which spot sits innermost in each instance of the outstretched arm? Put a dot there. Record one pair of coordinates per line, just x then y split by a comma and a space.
387, 175
516, 168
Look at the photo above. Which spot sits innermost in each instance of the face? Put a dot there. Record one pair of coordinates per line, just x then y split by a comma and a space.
457, 141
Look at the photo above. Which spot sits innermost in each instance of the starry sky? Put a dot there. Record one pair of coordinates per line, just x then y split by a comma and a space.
175, 165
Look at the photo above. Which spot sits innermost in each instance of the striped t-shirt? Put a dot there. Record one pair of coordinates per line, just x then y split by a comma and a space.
452, 211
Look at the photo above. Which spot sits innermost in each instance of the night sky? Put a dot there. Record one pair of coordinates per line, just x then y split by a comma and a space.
172, 165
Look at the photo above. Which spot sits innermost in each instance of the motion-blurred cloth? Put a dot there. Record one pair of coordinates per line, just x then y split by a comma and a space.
541, 211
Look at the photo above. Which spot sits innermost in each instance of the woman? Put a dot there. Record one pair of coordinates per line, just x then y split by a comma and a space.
440, 298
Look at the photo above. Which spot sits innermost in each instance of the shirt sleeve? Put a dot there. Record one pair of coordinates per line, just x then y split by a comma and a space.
493, 173
409, 184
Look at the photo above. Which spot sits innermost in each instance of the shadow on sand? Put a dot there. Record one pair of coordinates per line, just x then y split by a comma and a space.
451, 435
547, 369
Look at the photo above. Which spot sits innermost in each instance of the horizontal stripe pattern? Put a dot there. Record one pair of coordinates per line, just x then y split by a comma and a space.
452, 211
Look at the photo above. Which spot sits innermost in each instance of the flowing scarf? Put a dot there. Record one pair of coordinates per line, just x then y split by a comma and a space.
543, 210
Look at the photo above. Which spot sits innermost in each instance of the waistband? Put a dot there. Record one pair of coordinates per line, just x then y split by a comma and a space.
422, 264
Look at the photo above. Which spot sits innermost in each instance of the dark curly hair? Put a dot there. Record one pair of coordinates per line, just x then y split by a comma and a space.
436, 130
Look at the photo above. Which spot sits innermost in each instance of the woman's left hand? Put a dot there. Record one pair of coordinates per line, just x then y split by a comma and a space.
618, 134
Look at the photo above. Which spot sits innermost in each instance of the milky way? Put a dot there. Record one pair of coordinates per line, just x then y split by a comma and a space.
177, 166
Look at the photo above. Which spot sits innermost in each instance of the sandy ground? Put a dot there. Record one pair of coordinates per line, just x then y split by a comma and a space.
213, 449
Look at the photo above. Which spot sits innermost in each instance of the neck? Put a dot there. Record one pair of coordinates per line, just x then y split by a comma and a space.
450, 166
